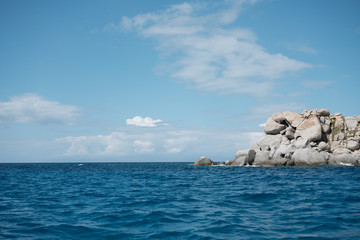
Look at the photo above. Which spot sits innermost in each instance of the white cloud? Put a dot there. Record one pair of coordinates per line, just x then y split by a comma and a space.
210, 56
262, 125
142, 122
165, 143
33, 108
143, 146
114, 144
178, 144
316, 84
128, 142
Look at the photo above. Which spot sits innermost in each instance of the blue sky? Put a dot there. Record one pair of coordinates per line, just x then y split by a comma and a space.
167, 80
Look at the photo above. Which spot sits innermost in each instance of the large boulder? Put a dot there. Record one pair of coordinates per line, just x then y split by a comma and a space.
351, 123
290, 133
310, 129
278, 117
204, 161
269, 141
308, 157
264, 160
284, 151
243, 157
340, 150
356, 154
324, 112
323, 146
272, 127
343, 159
336, 145
293, 118
353, 145
302, 143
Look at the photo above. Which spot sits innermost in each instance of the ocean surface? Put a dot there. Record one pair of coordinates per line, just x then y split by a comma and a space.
177, 201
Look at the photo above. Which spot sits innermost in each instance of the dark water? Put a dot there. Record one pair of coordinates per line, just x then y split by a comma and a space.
177, 201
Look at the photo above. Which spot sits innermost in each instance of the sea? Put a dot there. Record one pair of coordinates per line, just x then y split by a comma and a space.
177, 201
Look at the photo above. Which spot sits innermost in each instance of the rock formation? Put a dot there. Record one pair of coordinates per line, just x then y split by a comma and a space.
310, 138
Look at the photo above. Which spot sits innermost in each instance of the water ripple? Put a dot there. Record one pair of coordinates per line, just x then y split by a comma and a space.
177, 201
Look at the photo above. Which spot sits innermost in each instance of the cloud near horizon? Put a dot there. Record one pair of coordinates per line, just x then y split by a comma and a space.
208, 55
166, 142
32, 108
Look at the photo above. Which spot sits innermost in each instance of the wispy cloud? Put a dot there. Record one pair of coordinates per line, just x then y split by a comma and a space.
33, 108
316, 84
207, 54
143, 122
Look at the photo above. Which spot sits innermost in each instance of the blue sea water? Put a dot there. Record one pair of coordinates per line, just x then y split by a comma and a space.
177, 201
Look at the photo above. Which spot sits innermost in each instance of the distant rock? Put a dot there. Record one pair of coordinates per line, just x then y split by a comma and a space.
204, 161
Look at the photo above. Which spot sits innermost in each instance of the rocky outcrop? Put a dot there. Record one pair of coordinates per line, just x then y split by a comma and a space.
204, 161
311, 138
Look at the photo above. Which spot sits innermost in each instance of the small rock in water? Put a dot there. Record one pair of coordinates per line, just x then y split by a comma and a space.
204, 161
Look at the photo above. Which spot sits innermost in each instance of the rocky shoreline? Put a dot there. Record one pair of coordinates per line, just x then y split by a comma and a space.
312, 138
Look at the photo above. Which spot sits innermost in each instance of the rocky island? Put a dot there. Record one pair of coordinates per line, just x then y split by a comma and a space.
312, 138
